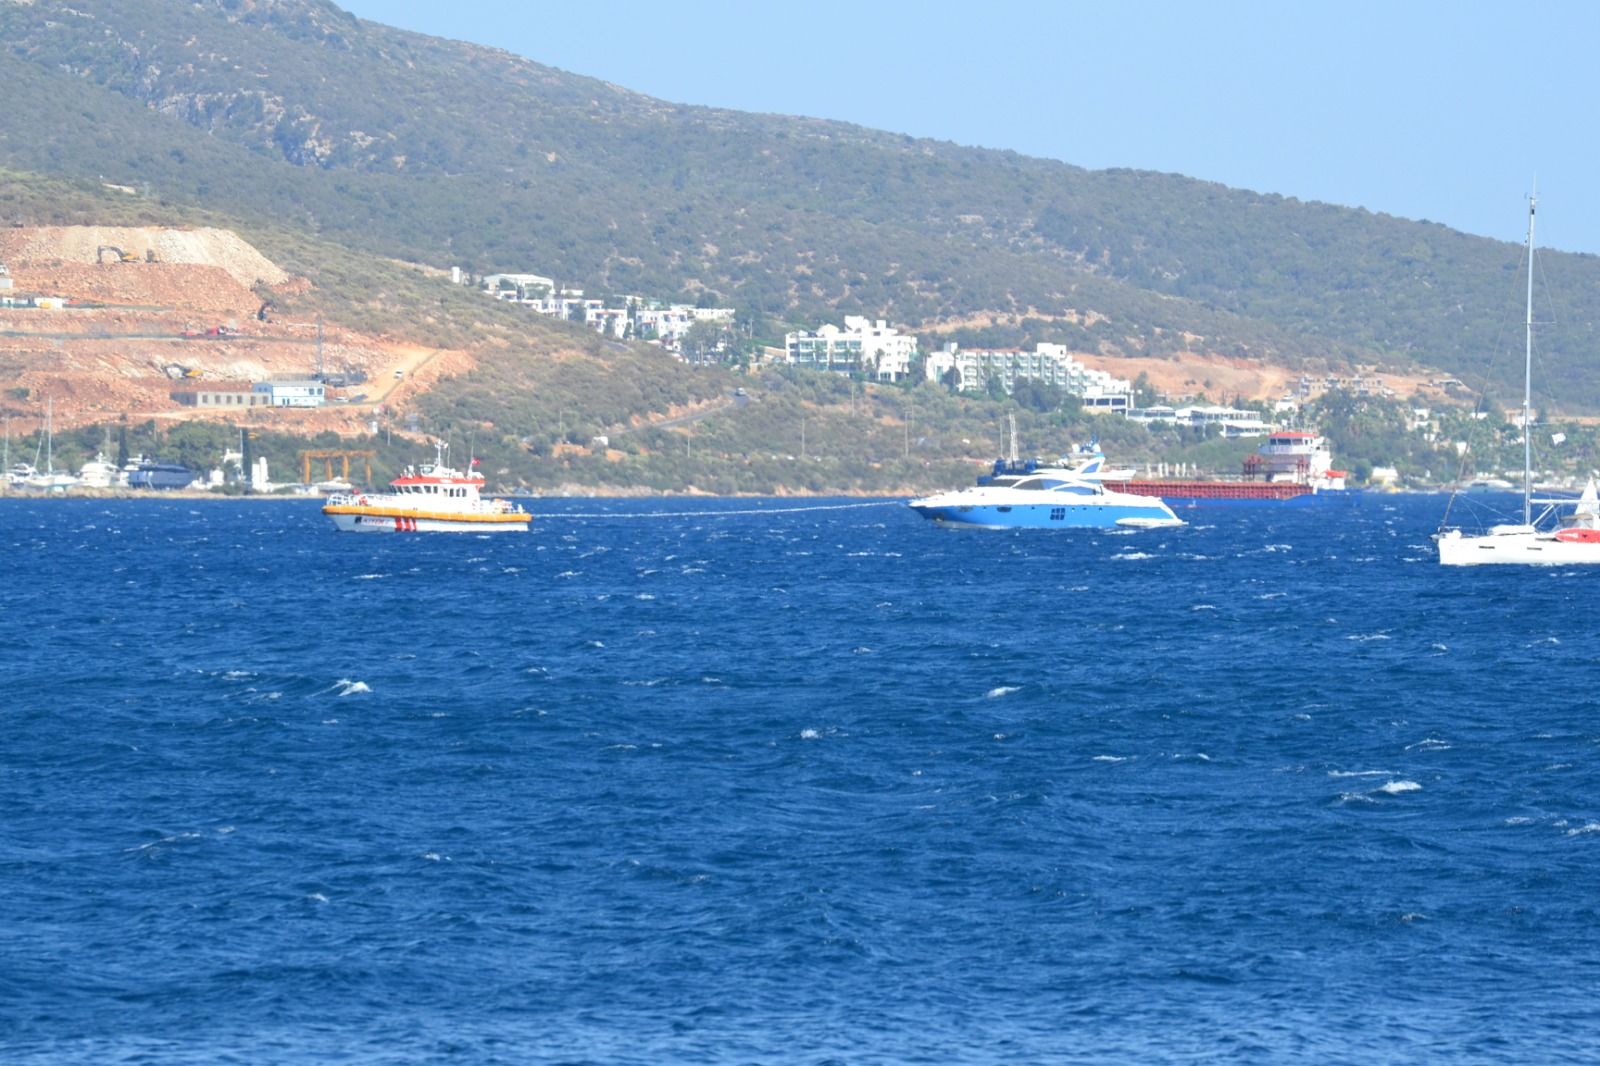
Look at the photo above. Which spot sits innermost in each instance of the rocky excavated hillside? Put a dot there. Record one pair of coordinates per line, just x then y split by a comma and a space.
134, 314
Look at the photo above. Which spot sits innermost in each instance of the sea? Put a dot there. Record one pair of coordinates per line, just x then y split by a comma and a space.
790, 781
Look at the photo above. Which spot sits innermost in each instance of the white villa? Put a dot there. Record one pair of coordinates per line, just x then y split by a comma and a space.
671, 321
638, 317
520, 285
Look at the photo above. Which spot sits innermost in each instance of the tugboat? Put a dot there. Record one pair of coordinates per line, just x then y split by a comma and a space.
431, 499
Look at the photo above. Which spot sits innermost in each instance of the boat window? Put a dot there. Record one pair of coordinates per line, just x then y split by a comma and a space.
1031, 483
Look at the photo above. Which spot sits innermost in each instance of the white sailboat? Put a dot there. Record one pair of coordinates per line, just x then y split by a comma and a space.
1534, 541
51, 480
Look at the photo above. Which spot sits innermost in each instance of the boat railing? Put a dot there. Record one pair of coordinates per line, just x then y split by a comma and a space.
351, 499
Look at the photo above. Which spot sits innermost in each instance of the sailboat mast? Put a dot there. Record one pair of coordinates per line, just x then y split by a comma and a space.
1527, 383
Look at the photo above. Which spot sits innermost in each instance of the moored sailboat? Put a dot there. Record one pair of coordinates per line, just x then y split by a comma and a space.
51, 480
1545, 539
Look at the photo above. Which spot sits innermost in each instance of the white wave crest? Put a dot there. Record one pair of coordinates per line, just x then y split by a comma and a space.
347, 687
164, 840
1394, 788
1003, 690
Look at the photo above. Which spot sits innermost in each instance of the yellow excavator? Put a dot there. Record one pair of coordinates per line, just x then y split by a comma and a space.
122, 257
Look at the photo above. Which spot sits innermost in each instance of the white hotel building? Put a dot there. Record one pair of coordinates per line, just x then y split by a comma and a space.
1048, 364
875, 350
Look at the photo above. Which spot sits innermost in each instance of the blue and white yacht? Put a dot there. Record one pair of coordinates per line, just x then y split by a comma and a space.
1031, 495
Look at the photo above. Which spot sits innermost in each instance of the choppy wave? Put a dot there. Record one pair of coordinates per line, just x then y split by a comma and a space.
825, 785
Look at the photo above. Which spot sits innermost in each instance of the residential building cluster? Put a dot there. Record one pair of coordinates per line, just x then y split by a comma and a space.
1358, 384
876, 350
1230, 421
625, 317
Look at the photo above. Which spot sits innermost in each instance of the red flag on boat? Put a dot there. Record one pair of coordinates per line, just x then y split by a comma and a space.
475, 462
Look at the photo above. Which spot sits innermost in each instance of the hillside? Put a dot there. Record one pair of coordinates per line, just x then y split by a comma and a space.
292, 112
549, 406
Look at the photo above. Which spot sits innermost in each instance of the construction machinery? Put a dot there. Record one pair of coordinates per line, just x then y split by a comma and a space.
218, 332
121, 256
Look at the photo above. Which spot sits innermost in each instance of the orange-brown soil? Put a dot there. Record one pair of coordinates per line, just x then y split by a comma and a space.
127, 333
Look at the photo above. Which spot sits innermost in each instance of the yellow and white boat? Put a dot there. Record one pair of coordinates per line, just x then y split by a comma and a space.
431, 499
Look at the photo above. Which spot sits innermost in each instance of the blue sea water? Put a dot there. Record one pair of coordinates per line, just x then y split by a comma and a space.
775, 782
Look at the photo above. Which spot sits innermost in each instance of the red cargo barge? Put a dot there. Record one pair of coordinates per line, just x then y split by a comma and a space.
1293, 467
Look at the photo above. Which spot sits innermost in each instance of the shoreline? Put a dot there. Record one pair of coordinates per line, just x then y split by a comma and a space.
517, 497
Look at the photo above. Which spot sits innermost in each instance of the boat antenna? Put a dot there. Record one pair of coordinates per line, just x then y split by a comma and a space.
1527, 380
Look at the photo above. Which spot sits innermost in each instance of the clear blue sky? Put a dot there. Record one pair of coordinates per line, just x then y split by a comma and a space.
1428, 110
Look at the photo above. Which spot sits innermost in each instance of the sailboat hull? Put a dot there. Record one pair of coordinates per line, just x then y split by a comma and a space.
1520, 546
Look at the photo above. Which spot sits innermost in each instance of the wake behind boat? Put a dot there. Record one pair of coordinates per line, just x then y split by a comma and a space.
432, 499
1535, 541
1031, 495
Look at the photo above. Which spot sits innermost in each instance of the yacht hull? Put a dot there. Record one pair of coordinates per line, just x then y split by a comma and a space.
1043, 516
